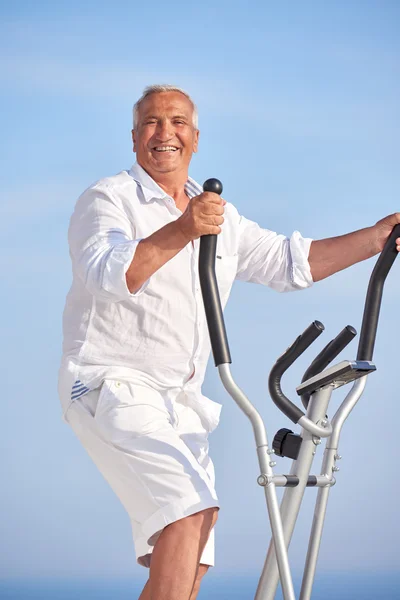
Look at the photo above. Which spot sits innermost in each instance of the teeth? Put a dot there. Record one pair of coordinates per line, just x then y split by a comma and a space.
166, 149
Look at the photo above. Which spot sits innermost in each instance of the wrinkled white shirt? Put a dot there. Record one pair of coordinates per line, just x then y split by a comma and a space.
157, 336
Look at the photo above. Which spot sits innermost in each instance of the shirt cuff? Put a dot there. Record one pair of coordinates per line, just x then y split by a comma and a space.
114, 274
301, 271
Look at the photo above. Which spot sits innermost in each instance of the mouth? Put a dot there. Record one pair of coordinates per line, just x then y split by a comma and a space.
165, 149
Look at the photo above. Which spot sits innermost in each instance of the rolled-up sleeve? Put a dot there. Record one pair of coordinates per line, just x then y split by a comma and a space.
101, 245
272, 259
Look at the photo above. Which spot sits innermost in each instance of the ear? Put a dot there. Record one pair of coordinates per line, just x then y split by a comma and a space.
196, 140
134, 139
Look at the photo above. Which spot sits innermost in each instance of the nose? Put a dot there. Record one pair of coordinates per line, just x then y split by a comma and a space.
164, 130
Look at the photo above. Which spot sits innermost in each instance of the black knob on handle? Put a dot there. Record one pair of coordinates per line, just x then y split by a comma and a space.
213, 185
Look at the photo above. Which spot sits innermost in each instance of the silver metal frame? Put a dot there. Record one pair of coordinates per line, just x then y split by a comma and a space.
317, 390
316, 394
314, 426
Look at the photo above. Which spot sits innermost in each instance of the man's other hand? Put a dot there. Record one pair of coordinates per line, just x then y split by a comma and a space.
383, 229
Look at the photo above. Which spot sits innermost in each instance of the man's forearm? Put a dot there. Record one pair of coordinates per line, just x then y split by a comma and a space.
153, 252
203, 216
334, 254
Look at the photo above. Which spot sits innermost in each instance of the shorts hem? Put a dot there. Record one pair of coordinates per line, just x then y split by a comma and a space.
169, 514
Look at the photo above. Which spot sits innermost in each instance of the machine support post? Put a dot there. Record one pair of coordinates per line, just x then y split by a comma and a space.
292, 497
328, 463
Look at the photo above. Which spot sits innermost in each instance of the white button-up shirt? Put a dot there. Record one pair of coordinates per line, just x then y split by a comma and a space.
157, 336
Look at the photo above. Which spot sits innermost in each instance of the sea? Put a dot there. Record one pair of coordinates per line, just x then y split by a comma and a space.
331, 586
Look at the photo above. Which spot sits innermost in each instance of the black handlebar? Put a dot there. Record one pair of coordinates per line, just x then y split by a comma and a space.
209, 289
283, 363
374, 296
326, 356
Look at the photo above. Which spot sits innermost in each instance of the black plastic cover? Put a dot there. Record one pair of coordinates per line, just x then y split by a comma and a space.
293, 412
209, 289
312, 481
291, 481
374, 296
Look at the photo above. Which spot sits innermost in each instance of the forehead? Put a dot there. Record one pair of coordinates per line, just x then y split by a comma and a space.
166, 103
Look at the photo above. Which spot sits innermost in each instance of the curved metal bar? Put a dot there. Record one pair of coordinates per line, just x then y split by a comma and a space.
249, 410
270, 490
345, 409
315, 429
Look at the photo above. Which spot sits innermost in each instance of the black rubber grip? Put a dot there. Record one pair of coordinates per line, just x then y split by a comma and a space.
291, 481
312, 481
326, 356
374, 296
209, 289
293, 412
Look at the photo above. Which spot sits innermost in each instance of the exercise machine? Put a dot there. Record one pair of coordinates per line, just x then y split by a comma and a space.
315, 392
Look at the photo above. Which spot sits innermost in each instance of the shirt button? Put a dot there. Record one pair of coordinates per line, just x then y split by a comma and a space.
118, 383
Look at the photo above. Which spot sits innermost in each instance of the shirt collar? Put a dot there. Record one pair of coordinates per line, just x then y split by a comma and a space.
152, 190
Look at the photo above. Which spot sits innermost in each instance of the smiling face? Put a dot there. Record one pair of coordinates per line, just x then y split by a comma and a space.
165, 138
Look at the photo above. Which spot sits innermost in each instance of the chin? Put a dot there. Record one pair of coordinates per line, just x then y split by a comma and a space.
166, 166
167, 169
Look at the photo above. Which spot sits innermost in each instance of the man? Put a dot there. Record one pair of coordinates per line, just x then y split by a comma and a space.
135, 337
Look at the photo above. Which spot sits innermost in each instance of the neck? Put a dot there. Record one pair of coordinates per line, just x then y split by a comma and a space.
173, 184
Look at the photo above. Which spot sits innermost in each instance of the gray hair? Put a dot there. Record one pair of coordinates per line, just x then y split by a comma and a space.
157, 89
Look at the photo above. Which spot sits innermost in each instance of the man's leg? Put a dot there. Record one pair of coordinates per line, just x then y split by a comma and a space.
101, 420
202, 570
174, 570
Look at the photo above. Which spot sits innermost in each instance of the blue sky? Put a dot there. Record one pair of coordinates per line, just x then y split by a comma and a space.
298, 108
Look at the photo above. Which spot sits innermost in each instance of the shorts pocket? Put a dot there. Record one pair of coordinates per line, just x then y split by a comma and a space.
125, 411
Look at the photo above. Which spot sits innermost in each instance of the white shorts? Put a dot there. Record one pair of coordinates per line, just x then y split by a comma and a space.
153, 451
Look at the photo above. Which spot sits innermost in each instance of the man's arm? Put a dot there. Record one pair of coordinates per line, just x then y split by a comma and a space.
202, 216
153, 252
334, 254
